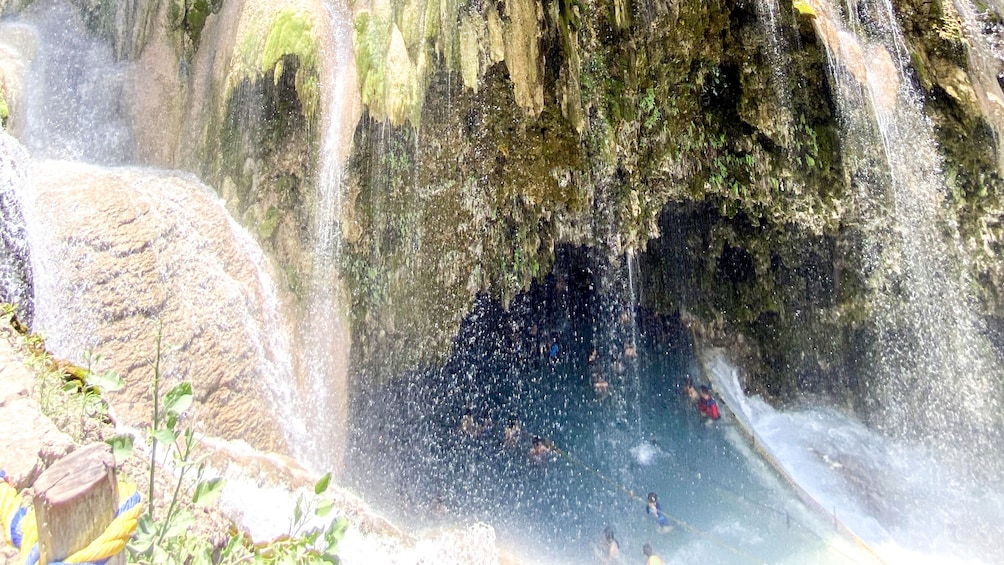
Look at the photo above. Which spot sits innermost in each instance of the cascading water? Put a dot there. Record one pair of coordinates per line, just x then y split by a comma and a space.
151, 253
930, 352
905, 505
77, 109
768, 11
15, 261
325, 399
175, 255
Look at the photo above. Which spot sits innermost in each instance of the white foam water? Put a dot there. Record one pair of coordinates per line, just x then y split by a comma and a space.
901, 500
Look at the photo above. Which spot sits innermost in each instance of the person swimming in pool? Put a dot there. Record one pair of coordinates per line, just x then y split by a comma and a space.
688, 389
651, 558
706, 405
654, 509
512, 432
540, 452
609, 549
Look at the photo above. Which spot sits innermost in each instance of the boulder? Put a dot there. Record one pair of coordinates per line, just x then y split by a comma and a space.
27, 450
127, 255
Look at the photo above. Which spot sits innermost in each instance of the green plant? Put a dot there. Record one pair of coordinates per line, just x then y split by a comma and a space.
4, 111
168, 539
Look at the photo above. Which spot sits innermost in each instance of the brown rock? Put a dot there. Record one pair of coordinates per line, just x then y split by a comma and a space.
29, 441
127, 253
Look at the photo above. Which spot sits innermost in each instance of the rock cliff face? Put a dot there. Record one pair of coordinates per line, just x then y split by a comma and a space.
703, 137
137, 254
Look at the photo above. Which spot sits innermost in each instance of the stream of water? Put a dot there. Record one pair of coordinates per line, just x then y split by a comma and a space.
930, 348
900, 498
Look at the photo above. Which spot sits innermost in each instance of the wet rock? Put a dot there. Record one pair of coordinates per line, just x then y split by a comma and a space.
128, 255
27, 449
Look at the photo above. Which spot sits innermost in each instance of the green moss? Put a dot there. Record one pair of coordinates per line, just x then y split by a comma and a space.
4, 111
803, 8
188, 18
292, 34
267, 225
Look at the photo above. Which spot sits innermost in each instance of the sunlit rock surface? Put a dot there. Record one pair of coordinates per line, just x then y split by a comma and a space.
27, 449
124, 255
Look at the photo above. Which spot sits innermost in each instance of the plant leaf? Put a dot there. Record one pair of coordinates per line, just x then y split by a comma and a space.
109, 381
322, 484
165, 436
208, 491
121, 447
297, 514
180, 523
324, 507
179, 399
335, 533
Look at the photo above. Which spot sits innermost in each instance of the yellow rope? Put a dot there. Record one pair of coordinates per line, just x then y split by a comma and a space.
9, 503
109, 543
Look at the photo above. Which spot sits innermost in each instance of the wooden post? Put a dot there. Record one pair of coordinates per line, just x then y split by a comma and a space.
75, 500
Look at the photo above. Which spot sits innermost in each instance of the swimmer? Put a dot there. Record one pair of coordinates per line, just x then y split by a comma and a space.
539, 452
609, 549
706, 405
512, 432
600, 385
467, 425
650, 556
689, 389
654, 509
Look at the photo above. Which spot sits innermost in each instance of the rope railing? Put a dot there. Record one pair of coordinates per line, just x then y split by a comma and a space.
769, 458
21, 530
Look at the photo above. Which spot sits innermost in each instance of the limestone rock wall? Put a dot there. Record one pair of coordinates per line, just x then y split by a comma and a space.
692, 130
581, 123
136, 254
494, 131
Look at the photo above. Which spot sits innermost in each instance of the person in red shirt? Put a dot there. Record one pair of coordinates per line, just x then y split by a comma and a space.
706, 405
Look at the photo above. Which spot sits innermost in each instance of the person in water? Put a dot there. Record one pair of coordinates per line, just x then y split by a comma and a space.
630, 351
650, 557
706, 405
654, 509
609, 549
553, 352
539, 452
467, 425
600, 385
512, 432
688, 389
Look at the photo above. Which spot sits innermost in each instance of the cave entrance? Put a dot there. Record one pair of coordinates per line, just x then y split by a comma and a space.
429, 448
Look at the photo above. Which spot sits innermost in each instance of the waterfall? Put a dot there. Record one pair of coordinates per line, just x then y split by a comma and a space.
325, 333
631, 343
122, 255
778, 60
15, 265
935, 373
77, 109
